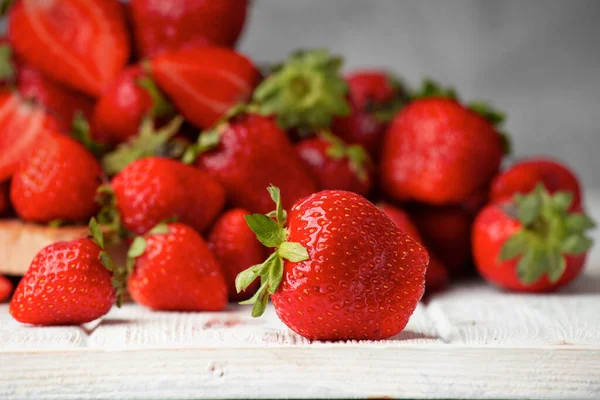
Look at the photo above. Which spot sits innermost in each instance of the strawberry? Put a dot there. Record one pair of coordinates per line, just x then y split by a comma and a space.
248, 153
126, 100
58, 181
446, 232
204, 83
181, 24
533, 243
436, 277
236, 248
68, 283
439, 151
374, 98
155, 189
304, 93
22, 124
80, 43
174, 270
341, 270
524, 176
334, 165
6, 288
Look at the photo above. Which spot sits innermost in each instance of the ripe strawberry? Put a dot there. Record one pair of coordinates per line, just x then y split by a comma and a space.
334, 165
181, 24
436, 277
155, 189
236, 248
68, 283
247, 154
22, 125
58, 181
80, 43
126, 100
534, 243
6, 289
341, 270
375, 97
204, 83
524, 176
438, 151
174, 270
446, 232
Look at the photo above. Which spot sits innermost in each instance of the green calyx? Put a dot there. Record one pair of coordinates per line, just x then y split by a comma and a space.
139, 244
80, 131
271, 233
161, 107
431, 88
120, 274
549, 233
356, 154
385, 112
109, 216
306, 92
7, 66
149, 142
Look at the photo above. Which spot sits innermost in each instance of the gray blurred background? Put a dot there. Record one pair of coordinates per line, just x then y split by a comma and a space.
539, 61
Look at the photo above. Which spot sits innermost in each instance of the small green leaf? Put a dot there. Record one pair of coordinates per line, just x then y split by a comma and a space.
430, 88
562, 200
359, 159
555, 265
484, 109
130, 265
255, 297
529, 208
7, 66
137, 248
293, 251
160, 229
576, 244
245, 278
80, 131
56, 223
267, 231
579, 223
280, 213
275, 274
531, 265
514, 246
107, 261
96, 233
260, 305
161, 106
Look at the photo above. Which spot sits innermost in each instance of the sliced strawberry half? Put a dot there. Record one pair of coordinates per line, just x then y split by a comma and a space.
81, 43
22, 124
204, 83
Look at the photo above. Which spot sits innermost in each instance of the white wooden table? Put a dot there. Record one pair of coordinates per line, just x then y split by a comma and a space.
472, 341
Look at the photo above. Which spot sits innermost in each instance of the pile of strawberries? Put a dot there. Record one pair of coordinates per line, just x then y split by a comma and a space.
232, 183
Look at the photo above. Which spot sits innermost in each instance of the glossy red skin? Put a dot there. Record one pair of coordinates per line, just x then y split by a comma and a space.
491, 230
367, 87
330, 173
437, 277
438, 152
58, 181
66, 284
523, 177
178, 272
80, 43
236, 248
364, 276
122, 106
446, 232
6, 289
204, 83
154, 189
63, 101
253, 154
179, 24
22, 126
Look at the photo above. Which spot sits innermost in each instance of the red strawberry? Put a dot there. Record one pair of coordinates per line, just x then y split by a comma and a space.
375, 97
341, 269
126, 100
6, 289
204, 83
533, 243
81, 43
446, 232
22, 125
436, 277
68, 283
438, 151
4, 198
179, 24
236, 248
524, 176
155, 189
58, 181
247, 154
175, 270
334, 165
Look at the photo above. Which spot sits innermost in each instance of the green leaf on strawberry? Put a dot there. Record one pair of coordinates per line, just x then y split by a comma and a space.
357, 155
